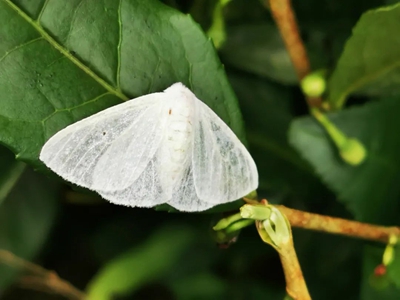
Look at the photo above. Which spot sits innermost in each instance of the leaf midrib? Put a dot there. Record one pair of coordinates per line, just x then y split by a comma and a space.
36, 25
362, 81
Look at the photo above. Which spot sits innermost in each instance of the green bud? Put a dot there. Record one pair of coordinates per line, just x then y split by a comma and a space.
314, 84
255, 212
275, 230
277, 227
353, 152
226, 222
393, 239
388, 255
264, 235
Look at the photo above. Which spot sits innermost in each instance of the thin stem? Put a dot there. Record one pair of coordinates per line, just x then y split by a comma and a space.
286, 21
296, 286
340, 226
40, 278
351, 150
338, 137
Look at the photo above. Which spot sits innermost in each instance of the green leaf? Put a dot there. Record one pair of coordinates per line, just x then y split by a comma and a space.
63, 61
26, 217
370, 59
142, 264
370, 190
259, 49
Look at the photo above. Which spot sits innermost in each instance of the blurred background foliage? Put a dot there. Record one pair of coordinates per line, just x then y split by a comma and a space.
114, 252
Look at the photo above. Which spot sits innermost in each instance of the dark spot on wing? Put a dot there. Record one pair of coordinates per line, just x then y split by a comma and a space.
104, 133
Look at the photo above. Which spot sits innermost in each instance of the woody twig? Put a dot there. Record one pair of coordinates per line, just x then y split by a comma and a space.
38, 278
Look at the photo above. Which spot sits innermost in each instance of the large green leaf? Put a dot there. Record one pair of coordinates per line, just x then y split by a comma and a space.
259, 48
142, 264
371, 57
371, 190
61, 61
26, 216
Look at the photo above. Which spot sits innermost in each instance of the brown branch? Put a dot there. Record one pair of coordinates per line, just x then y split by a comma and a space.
40, 278
340, 226
296, 286
311, 221
286, 21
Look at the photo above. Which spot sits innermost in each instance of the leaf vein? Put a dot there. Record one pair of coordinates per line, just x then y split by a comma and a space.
119, 46
362, 81
69, 109
19, 47
42, 10
72, 22
66, 52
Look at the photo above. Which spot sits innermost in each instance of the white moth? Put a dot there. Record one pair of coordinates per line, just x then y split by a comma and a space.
166, 147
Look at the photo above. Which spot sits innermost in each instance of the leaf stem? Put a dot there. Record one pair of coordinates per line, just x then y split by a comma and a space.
351, 150
339, 226
285, 19
217, 31
40, 278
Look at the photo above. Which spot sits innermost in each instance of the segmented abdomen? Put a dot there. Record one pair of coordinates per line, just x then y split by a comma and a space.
176, 148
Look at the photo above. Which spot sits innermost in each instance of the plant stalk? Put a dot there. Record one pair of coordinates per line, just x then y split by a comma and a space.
339, 226
285, 19
39, 278
296, 286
